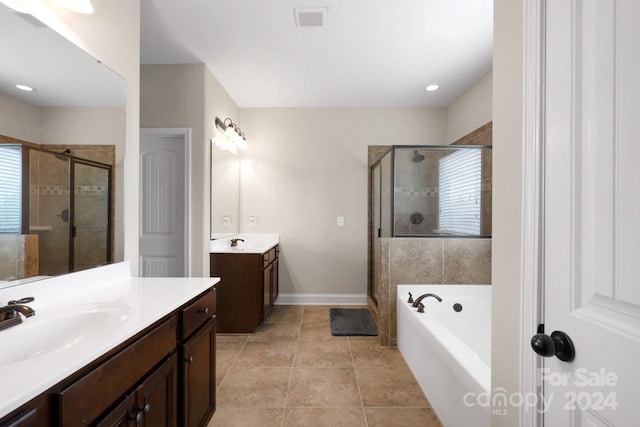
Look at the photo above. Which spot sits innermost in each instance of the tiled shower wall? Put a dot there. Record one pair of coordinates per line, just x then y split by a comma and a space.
18, 256
49, 197
426, 261
430, 260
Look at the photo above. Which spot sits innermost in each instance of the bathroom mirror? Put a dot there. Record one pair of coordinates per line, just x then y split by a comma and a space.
76, 102
225, 193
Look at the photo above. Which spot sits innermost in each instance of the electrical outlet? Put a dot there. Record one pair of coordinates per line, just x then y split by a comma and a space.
340, 221
252, 221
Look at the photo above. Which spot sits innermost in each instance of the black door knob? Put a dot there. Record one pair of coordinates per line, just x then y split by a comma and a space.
558, 344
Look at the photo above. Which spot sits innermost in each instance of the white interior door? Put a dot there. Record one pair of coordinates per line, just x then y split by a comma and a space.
163, 203
592, 210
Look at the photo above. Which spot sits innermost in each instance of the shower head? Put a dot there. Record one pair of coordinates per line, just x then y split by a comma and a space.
417, 157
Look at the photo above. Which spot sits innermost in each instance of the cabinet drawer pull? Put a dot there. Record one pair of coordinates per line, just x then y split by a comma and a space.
146, 408
204, 311
189, 359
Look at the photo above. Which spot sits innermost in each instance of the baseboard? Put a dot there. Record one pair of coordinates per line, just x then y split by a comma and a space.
321, 299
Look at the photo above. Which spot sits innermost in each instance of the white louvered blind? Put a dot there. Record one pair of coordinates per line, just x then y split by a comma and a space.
460, 192
10, 188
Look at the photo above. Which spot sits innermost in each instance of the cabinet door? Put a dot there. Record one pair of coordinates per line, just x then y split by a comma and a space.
274, 281
157, 396
24, 419
122, 415
199, 376
266, 291
152, 404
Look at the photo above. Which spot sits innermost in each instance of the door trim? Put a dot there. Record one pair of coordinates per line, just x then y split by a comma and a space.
185, 134
532, 261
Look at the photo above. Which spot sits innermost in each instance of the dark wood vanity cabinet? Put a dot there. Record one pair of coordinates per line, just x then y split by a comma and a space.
198, 362
164, 376
248, 288
153, 403
269, 280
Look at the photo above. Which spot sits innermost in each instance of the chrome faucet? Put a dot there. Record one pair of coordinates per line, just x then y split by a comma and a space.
418, 300
234, 242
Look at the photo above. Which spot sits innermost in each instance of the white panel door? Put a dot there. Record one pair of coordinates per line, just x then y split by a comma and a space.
162, 205
592, 210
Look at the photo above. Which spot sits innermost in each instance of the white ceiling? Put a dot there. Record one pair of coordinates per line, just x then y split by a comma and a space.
371, 53
62, 74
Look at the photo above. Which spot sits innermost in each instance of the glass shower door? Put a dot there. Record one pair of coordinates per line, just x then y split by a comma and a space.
91, 227
48, 210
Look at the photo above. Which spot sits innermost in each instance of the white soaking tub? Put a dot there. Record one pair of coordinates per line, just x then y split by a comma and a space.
449, 351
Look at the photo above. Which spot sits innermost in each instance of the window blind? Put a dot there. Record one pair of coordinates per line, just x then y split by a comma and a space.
460, 192
10, 188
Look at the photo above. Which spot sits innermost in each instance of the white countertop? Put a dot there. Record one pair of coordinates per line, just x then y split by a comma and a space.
142, 300
253, 244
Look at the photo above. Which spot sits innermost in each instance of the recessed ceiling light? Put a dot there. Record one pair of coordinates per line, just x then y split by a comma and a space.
25, 88
431, 88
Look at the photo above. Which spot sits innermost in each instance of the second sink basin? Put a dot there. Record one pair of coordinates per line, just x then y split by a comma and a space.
54, 332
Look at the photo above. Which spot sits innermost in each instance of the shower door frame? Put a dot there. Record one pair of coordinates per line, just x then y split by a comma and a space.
72, 197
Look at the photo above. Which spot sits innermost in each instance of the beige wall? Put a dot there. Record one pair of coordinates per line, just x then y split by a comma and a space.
471, 110
19, 119
304, 168
507, 196
112, 35
188, 96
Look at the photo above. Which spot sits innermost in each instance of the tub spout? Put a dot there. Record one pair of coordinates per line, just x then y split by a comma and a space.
421, 297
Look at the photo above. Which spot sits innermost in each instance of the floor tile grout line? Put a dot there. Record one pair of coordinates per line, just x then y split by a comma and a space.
235, 359
355, 375
293, 364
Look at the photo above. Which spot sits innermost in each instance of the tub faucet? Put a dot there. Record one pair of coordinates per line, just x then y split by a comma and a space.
234, 242
418, 300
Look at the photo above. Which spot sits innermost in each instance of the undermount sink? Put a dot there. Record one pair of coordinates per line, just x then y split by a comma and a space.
62, 330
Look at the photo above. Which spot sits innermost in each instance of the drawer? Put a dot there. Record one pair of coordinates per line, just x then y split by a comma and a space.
83, 401
196, 313
269, 256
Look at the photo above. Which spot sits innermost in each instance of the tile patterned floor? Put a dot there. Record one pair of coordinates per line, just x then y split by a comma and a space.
293, 372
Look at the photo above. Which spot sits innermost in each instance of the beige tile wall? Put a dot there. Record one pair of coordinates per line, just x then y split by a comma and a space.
431, 260
426, 261
18, 256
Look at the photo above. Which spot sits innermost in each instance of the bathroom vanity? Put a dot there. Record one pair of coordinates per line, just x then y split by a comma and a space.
249, 274
111, 350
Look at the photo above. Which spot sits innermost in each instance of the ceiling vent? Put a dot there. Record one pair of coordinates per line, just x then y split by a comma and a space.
311, 17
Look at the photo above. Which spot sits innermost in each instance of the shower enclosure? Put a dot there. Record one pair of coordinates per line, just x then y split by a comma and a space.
430, 191
68, 207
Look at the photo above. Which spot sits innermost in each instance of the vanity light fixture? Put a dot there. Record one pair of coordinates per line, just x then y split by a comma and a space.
25, 88
229, 136
431, 88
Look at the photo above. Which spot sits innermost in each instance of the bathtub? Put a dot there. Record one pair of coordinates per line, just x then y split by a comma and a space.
449, 352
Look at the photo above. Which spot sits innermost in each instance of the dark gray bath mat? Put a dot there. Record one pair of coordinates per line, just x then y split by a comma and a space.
352, 321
